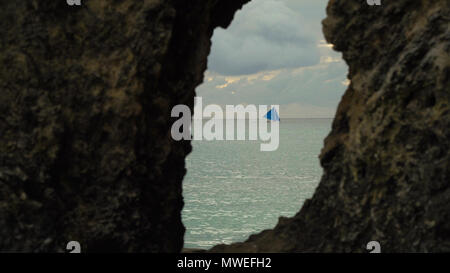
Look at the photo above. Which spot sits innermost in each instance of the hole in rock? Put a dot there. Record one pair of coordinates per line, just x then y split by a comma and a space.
273, 53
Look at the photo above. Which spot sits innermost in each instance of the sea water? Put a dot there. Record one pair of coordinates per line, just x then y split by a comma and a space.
232, 189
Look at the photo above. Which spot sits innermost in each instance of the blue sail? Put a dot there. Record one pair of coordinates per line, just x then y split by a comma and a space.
272, 115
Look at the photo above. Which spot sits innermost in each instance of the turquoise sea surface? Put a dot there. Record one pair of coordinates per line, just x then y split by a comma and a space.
232, 189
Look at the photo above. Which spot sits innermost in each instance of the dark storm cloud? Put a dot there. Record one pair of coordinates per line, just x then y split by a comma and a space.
266, 35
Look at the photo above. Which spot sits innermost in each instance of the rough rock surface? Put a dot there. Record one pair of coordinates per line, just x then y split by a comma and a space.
86, 94
85, 150
386, 161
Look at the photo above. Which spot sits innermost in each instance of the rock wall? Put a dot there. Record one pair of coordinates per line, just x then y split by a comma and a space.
86, 94
386, 161
85, 146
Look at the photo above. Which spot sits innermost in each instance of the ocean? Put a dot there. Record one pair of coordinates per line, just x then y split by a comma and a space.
232, 189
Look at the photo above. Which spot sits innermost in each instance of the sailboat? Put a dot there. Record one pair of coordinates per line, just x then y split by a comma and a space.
272, 115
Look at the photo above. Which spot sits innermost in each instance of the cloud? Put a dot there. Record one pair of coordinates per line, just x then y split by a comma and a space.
319, 87
266, 35
275, 53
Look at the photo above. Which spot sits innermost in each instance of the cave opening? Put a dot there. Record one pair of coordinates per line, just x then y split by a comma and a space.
273, 53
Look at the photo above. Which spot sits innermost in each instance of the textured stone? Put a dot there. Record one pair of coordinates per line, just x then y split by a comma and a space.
86, 94
386, 161
85, 150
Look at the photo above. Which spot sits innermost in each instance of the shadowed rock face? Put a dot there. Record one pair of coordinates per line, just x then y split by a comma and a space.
86, 94
85, 146
386, 161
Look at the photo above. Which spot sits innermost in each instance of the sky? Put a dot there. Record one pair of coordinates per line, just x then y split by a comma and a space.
274, 52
